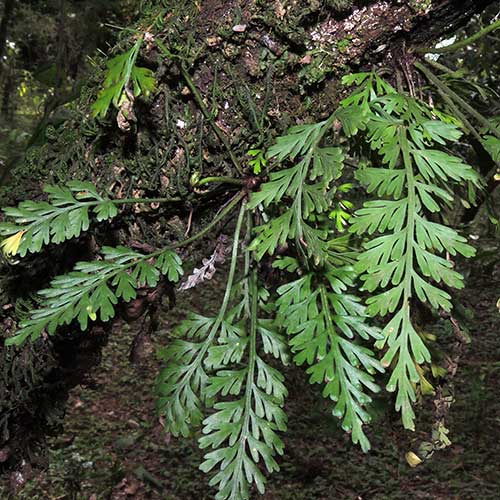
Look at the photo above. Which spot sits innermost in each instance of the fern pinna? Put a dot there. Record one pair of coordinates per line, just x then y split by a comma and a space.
221, 379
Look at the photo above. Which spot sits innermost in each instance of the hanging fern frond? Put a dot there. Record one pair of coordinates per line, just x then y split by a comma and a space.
181, 386
243, 429
323, 322
308, 183
94, 288
66, 214
402, 262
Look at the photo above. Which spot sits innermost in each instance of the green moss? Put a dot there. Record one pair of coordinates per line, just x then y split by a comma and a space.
420, 6
339, 5
344, 44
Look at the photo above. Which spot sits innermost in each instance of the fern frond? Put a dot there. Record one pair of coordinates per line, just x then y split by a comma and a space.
308, 184
65, 215
94, 288
243, 431
182, 385
322, 322
402, 262
122, 73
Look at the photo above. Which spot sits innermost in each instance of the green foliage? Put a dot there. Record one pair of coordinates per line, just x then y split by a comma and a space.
258, 161
218, 373
214, 362
122, 75
93, 289
182, 384
323, 322
403, 262
308, 184
243, 429
319, 317
65, 215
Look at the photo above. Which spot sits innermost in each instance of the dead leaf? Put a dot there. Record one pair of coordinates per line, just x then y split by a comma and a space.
413, 459
306, 59
208, 269
279, 10
126, 113
4, 454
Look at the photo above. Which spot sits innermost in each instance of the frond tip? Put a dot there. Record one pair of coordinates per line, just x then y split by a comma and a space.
10, 245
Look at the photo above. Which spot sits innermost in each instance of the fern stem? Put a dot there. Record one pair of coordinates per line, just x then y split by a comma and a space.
122, 201
461, 102
252, 357
222, 179
410, 234
223, 213
411, 208
246, 269
461, 43
210, 117
234, 259
186, 378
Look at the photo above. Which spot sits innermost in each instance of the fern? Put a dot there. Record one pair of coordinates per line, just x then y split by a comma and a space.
93, 289
243, 431
181, 386
402, 262
216, 374
307, 183
122, 73
322, 322
64, 216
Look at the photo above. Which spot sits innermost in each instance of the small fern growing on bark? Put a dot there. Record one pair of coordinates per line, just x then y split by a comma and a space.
222, 372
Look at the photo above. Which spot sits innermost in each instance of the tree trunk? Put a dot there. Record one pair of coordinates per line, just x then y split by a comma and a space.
245, 71
7, 14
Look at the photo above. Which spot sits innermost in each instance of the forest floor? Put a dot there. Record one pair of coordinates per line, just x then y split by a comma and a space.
113, 446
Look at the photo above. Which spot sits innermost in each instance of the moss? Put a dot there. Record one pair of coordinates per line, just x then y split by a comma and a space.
421, 6
339, 5
344, 44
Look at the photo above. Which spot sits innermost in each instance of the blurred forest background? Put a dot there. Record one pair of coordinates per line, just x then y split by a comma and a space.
47, 49
112, 446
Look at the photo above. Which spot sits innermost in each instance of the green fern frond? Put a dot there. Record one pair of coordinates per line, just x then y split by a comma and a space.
182, 385
402, 262
94, 288
216, 363
323, 322
308, 184
122, 73
243, 430
66, 214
